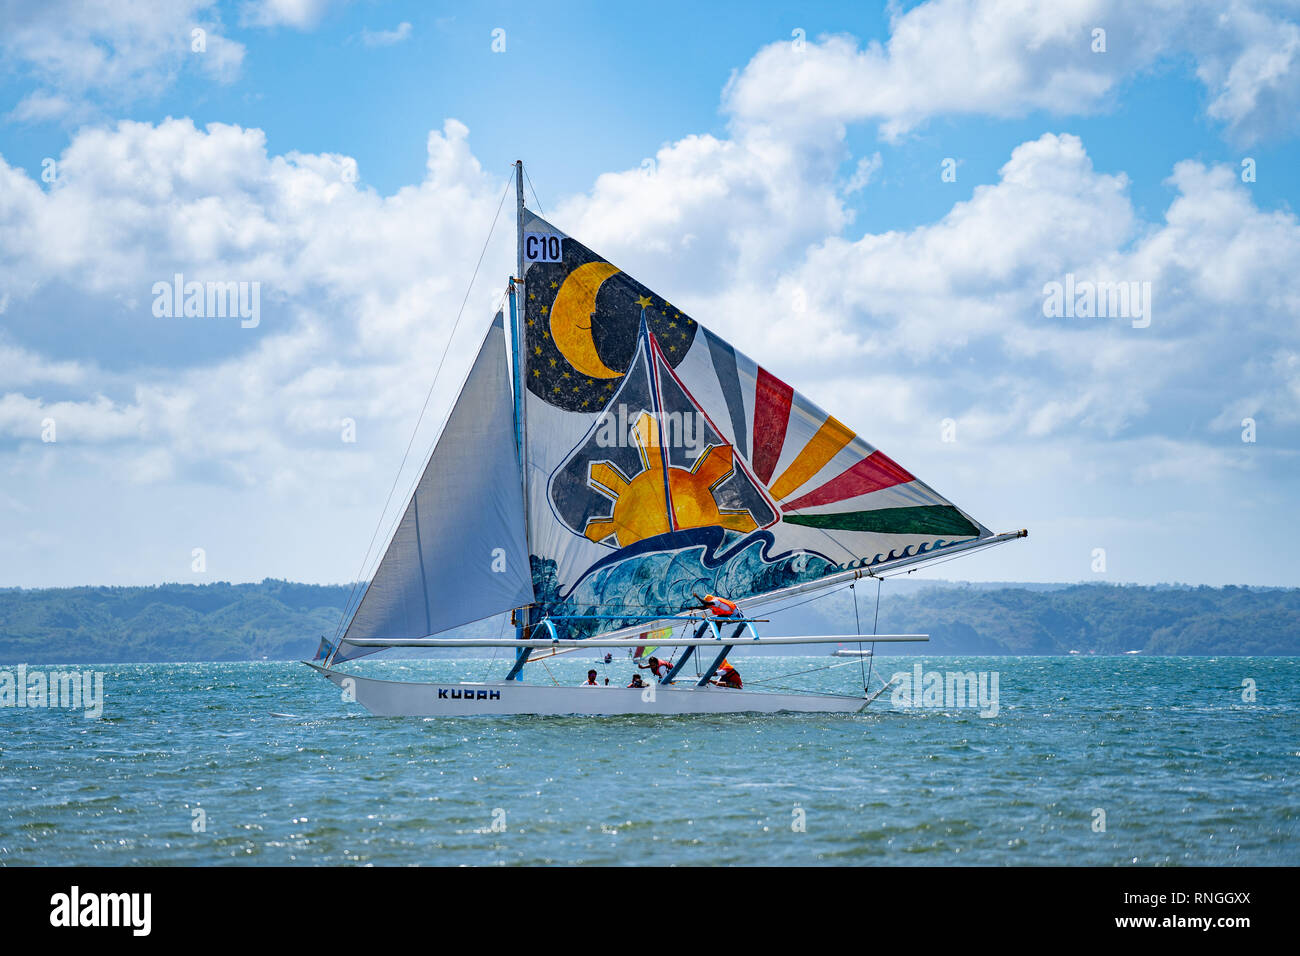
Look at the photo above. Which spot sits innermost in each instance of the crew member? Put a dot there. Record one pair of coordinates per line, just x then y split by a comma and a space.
728, 676
591, 679
717, 606
657, 667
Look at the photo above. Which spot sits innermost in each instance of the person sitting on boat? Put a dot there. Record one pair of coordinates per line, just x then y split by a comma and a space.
591, 679
657, 667
636, 681
728, 676
718, 606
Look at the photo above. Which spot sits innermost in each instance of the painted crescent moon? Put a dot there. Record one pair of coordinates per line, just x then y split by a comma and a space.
571, 318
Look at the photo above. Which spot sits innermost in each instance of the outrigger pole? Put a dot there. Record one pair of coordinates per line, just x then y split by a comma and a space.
624, 642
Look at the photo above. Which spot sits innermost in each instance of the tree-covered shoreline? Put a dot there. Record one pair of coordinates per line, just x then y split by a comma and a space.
283, 620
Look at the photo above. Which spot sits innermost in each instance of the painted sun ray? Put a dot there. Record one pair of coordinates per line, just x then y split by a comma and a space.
903, 495
872, 473
830, 438
772, 399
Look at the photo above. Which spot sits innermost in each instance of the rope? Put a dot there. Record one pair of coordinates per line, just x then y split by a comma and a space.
874, 625
811, 670
534, 189
347, 607
857, 629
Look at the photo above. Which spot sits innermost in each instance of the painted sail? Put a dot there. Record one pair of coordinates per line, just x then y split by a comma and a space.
458, 554
663, 462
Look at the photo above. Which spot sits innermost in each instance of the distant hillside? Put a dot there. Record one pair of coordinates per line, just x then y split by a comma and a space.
283, 620
169, 622
1088, 618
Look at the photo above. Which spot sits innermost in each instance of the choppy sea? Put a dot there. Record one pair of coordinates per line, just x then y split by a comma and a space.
1089, 760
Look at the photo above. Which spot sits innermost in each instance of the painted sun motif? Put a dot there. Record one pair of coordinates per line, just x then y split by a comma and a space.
640, 509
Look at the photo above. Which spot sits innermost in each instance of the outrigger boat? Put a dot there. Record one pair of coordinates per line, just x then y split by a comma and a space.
605, 463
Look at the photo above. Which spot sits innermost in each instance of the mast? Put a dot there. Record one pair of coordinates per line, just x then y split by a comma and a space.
517, 306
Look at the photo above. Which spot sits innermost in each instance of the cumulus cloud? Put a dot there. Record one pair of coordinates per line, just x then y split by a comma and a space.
87, 54
360, 292
1006, 58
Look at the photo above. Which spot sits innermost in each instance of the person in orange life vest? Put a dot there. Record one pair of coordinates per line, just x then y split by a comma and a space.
657, 667
591, 679
718, 606
636, 681
728, 676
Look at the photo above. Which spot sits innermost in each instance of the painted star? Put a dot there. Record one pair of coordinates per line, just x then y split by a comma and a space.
644, 302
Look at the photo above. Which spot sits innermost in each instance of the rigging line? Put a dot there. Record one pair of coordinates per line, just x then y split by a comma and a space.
534, 189
811, 670
857, 629
816, 597
405, 455
875, 624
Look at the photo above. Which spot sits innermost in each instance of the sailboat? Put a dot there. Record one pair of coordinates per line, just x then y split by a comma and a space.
608, 463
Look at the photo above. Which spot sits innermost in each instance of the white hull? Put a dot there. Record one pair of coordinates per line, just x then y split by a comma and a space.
385, 698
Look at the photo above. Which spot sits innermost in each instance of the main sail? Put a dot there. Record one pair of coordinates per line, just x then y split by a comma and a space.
458, 554
662, 462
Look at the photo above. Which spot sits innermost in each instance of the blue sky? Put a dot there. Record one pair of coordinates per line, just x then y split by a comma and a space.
783, 161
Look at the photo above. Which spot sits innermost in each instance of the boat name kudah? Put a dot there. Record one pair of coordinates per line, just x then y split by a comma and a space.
455, 693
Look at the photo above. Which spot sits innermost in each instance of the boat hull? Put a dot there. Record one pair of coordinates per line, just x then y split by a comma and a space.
384, 698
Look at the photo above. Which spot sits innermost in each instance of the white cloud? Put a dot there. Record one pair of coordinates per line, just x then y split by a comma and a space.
386, 37
359, 296
299, 14
85, 54
1007, 58
863, 173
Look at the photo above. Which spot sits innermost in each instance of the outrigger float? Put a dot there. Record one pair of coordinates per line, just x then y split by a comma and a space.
622, 461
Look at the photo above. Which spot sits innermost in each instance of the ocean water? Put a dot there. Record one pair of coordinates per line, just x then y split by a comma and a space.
263, 763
